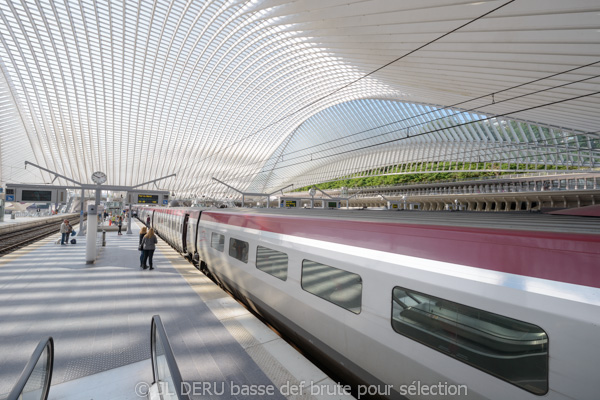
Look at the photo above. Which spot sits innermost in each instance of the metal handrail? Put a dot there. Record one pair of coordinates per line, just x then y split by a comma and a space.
157, 327
17, 391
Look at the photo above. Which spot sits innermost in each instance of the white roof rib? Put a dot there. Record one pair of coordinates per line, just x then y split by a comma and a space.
249, 91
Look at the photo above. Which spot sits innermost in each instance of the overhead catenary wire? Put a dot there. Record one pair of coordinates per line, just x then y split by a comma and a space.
313, 102
458, 112
502, 148
437, 130
492, 150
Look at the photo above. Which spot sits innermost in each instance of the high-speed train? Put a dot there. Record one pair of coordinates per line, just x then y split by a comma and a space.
415, 304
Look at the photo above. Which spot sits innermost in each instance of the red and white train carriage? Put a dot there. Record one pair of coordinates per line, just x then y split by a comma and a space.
506, 311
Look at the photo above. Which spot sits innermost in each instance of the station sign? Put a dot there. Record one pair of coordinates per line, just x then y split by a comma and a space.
395, 205
148, 197
36, 194
332, 204
304, 201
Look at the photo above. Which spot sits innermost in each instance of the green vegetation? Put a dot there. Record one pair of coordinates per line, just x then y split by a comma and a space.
390, 180
417, 177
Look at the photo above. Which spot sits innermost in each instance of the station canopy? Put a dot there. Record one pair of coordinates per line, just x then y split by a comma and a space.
261, 94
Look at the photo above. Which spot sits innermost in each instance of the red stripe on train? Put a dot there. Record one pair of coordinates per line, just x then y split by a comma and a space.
563, 257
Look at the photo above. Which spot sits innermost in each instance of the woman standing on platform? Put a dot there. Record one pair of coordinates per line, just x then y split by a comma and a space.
65, 230
149, 245
143, 232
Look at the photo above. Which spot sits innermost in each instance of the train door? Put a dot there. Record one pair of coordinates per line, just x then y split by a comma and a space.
184, 233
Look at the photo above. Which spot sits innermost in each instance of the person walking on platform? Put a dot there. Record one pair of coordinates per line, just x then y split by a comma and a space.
120, 225
148, 221
143, 232
65, 230
149, 245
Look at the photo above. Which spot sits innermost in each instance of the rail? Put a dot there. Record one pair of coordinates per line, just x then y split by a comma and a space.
34, 382
167, 384
12, 240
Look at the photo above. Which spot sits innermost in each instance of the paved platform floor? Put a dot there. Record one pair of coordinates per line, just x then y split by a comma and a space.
99, 316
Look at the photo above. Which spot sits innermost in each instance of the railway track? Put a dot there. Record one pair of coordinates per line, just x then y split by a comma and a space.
11, 241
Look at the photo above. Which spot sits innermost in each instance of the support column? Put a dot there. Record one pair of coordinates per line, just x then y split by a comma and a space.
81, 226
92, 233
129, 232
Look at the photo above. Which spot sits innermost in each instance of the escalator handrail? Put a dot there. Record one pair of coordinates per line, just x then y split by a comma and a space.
17, 390
157, 327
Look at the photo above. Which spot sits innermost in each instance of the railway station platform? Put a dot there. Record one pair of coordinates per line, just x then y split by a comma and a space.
99, 317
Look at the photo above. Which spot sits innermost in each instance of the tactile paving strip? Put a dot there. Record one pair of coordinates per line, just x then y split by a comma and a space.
94, 364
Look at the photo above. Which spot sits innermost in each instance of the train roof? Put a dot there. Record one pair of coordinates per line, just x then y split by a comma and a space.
521, 221
555, 247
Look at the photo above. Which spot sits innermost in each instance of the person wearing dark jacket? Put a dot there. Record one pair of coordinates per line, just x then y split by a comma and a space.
149, 245
143, 232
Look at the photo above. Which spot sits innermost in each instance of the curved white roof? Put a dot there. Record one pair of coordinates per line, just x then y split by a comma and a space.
237, 89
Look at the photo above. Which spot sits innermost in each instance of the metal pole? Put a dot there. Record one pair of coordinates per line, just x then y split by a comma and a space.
322, 192
152, 181
56, 175
92, 233
81, 227
129, 232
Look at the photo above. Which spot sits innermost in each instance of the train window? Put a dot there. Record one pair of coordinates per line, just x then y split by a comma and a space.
217, 241
238, 249
509, 349
272, 262
337, 286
